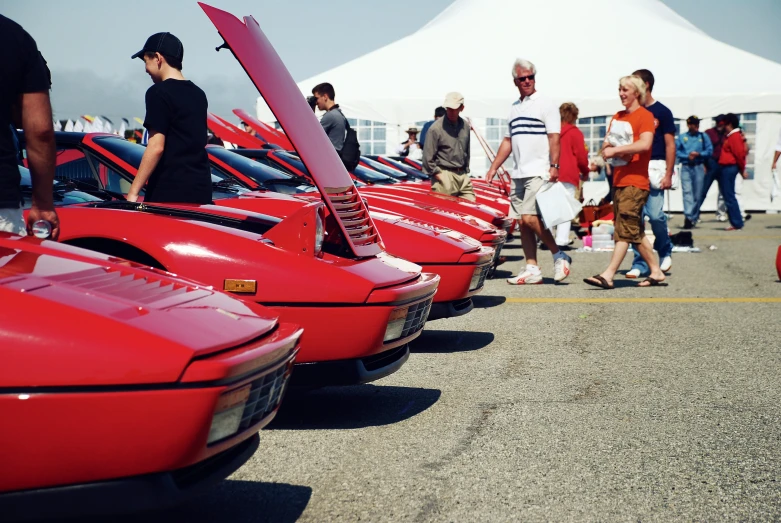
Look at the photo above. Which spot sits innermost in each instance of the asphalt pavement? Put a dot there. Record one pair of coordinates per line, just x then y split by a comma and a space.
551, 403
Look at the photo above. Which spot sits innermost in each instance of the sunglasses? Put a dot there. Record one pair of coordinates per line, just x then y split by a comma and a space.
521, 79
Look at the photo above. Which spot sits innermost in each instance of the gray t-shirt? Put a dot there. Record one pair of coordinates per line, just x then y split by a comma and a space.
335, 125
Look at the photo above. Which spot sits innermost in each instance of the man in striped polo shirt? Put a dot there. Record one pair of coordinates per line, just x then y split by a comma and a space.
532, 137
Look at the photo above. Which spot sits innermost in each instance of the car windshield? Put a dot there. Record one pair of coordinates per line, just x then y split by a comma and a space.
411, 171
64, 192
250, 168
293, 160
128, 152
370, 176
384, 169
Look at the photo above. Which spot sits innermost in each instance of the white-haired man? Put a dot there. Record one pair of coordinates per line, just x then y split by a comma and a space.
534, 126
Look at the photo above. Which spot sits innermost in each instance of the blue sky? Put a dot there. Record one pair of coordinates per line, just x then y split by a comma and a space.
88, 43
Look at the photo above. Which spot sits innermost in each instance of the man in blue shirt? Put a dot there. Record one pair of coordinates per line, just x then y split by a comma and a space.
439, 112
660, 172
693, 149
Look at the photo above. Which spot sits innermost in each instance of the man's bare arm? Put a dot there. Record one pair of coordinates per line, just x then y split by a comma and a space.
505, 148
152, 155
36, 117
554, 142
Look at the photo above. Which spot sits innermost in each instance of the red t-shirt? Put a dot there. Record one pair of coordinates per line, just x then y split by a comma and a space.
635, 173
573, 160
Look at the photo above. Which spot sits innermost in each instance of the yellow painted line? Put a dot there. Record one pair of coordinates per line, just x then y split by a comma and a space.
643, 300
738, 236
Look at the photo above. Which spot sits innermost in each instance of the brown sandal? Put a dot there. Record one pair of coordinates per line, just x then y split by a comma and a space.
601, 282
652, 282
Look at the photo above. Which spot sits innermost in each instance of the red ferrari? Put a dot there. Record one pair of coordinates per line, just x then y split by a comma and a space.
124, 388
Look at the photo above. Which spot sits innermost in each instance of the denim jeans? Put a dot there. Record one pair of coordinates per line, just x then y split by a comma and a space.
692, 181
654, 209
712, 175
727, 187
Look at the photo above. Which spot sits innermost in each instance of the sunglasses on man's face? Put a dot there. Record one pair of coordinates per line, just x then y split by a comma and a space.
522, 79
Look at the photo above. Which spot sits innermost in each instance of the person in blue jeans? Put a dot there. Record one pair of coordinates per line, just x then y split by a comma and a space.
693, 149
660, 172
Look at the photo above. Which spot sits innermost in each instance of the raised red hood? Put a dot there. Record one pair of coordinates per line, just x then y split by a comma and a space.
266, 131
73, 316
272, 79
223, 130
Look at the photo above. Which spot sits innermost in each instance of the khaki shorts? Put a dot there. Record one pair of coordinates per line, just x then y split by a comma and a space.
628, 203
523, 196
448, 182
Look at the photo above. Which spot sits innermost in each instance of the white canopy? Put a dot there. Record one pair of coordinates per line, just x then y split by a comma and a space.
580, 50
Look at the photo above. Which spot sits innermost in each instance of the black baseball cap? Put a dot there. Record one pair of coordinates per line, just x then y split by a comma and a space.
164, 43
693, 119
721, 118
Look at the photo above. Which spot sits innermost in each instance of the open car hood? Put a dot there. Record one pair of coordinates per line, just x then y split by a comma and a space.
266, 131
223, 130
259, 59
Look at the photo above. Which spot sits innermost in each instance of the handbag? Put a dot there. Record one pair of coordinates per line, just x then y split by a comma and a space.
592, 211
556, 205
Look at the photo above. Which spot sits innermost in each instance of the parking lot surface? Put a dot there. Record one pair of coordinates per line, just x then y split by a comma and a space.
550, 402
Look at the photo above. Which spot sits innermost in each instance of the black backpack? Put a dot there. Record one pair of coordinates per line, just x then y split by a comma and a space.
351, 150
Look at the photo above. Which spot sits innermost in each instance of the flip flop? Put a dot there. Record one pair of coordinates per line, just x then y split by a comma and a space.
652, 282
601, 282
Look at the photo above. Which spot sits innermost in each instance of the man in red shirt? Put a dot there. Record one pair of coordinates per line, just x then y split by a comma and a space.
732, 161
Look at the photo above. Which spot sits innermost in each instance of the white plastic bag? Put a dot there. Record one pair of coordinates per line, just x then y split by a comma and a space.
620, 133
556, 205
775, 190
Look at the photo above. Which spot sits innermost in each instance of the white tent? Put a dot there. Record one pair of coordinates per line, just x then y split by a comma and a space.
580, 50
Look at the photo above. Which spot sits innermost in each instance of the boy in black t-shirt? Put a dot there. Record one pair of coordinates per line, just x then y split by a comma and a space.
175, 161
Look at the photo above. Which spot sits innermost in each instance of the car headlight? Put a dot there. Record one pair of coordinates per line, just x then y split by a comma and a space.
319, 232
475, 283
395, 326
228, 413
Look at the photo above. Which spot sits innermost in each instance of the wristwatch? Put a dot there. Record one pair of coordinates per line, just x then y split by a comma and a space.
555, 165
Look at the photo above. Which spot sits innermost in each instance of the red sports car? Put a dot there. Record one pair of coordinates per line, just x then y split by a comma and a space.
123, 387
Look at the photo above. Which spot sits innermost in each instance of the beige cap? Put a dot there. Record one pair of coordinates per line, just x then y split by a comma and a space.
453, 100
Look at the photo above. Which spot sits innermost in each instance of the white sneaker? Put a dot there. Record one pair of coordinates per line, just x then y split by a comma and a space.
561, 268
632, 274
666, 264
722, 217
526, 278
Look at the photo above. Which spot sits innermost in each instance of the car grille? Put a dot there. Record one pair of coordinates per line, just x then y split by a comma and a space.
498, 252
145, 290
416, 317
265, 395
347, 205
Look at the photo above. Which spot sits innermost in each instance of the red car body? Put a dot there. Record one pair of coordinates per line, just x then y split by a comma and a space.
461, 262
123, 387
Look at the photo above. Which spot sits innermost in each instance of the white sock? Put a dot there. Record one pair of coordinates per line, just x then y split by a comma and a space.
534, 269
